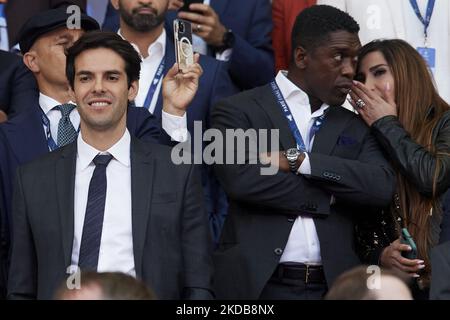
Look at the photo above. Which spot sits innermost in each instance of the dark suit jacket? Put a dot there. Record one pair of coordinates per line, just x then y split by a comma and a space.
440, 280
445, 222
252, 62
18, 89
169, 225
22, 139
19, 11
345, 162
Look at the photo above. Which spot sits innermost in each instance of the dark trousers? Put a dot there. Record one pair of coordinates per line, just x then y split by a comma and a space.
290, 289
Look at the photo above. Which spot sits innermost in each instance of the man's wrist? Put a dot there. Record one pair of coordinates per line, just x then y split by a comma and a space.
173, 110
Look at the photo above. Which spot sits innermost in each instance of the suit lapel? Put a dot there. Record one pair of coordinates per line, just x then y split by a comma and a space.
142, 167
268, 102
26, 135
326, 138
65, 189
170, 60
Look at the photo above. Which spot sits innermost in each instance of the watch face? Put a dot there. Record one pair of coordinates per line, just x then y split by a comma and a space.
292, 152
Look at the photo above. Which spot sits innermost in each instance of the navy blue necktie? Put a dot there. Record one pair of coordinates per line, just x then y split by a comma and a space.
93, 220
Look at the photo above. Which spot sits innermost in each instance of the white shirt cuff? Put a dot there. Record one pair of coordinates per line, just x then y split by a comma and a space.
305, 167
175, 126
225, 55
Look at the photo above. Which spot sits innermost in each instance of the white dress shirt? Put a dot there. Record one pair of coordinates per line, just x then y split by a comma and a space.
303, 244
54, 115
176, 127
116, 246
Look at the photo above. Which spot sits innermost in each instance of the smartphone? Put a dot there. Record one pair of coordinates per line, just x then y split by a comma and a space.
187, 3
184, 51
408, 240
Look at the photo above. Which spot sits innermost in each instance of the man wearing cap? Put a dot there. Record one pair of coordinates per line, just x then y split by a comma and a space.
53, 120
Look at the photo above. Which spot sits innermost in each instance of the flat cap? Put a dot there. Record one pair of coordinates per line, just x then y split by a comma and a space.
47, 21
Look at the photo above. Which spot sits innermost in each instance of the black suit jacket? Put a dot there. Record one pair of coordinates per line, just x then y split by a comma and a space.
170, 226
19, 11
440, 280
18, 89
345, 162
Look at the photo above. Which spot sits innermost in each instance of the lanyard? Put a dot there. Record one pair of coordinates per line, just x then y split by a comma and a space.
429, 13
287, 113
52, 145
2, 10
154, 84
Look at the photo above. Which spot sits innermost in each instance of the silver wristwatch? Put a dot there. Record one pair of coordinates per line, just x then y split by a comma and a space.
292, 155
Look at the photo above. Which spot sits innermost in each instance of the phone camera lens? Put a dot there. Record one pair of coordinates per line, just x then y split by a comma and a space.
181, 27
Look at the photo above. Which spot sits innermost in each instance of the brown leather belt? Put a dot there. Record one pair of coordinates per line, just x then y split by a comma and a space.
300, 271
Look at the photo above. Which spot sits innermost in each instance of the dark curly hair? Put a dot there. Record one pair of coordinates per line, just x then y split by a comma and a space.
313, 25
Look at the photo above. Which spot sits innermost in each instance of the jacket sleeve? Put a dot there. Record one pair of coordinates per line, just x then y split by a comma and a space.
22, 281
412, 159
368, 180
244, 181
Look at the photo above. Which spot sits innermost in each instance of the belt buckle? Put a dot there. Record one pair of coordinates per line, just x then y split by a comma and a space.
307, 273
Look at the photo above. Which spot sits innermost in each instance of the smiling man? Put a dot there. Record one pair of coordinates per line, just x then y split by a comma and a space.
292, 232
112, 203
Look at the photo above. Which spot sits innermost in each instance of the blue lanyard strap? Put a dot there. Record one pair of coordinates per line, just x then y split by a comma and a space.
50, 141
293, 126
52, 145
156, 79
429, 13
2, 10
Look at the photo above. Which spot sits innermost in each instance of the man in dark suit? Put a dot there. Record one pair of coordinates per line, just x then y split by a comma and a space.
19, 11
109, 202
290, 232
18, 89
142, 24
28, 136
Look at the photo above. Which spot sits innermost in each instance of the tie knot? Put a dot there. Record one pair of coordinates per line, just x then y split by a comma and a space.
66, 109
102, 159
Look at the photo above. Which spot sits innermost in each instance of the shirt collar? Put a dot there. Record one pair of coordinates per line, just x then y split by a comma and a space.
48, 103
291, 91
158, 45
120, 151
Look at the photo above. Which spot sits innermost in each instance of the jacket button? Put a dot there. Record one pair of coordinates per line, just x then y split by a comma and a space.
278, 251
338, 178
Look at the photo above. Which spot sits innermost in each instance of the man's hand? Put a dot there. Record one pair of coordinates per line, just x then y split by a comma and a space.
174, 4
205, 23
278, 159
179, 89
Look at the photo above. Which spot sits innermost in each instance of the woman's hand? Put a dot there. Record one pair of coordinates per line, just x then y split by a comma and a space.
373, 106
391, 257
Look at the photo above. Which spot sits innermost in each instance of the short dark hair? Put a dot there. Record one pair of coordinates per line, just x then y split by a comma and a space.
108, 40
313, 25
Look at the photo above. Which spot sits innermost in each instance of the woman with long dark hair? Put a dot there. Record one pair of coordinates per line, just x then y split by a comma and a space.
395, 95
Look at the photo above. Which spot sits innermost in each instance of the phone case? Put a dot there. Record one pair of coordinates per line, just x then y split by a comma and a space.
183, 44
408, 240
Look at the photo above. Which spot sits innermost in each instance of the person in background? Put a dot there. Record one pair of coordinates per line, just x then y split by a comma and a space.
394, 94
105, 286
284, 13
367, 283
